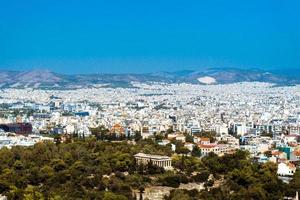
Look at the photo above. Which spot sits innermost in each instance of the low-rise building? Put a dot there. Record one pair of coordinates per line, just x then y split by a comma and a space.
286, 169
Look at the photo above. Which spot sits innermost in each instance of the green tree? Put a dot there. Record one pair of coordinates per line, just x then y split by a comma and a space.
112, 196
295, 182
178, 195
31, 193
196, 151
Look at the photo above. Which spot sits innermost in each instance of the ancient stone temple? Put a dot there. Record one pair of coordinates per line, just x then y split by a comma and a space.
161, 161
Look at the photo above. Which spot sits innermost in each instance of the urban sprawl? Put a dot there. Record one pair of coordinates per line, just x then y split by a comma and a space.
261, 118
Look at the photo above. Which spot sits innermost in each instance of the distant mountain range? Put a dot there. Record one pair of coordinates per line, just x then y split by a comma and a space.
49, 80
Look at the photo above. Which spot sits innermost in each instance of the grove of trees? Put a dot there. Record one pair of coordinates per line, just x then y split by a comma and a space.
95, 169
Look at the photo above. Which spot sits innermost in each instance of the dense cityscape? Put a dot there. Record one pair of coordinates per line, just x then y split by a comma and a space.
149, 100
165, 124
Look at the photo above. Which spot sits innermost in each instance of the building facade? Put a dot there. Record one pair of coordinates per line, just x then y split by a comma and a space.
161, 161
18, 128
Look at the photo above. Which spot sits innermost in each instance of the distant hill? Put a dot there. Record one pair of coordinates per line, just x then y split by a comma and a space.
50, 80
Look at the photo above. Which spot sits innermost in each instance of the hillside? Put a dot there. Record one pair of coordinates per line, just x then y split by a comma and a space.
48, 79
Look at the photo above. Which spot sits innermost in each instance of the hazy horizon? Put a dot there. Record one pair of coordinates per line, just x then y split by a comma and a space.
285, 71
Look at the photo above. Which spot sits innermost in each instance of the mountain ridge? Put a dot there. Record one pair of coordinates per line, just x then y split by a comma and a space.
40, 78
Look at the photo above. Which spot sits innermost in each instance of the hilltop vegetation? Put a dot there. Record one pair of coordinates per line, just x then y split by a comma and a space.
93, 169
77, 170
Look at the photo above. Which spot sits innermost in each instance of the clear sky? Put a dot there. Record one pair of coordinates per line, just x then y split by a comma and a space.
148, 35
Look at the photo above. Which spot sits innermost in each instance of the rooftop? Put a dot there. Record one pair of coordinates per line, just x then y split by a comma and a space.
150, 156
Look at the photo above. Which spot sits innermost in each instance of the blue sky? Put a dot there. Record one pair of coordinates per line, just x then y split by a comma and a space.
148, 35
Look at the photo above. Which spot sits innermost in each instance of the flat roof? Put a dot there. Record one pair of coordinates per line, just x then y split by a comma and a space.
150, 156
